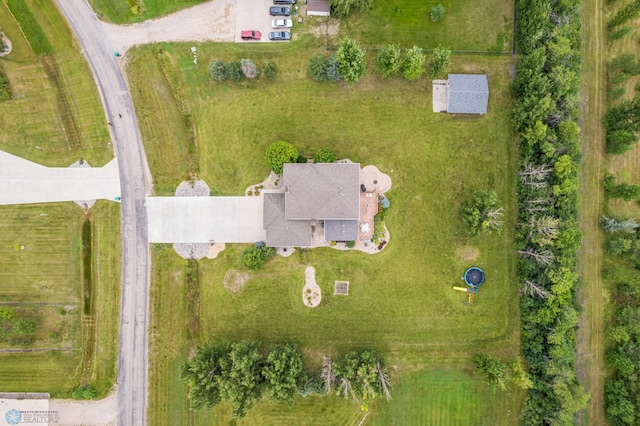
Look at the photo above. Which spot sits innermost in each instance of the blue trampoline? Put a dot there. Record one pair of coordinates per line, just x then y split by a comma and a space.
474, 277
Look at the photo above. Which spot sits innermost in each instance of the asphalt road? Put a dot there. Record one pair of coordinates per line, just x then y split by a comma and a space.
135, 180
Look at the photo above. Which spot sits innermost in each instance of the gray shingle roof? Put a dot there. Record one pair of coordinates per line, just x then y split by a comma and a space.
468, 94
280, 231
340, 230
322, 191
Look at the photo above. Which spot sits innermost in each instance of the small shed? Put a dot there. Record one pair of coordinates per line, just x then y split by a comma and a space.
468, 94
318, 8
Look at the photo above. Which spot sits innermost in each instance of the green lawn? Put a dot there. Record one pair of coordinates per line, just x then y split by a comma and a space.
41, 245
31, 123
467, 24
400, 300
121, 12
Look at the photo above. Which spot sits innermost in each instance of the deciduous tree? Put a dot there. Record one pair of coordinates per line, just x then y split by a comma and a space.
389, 60
350, 60
279, 153
413, 63
282, 369
440, 62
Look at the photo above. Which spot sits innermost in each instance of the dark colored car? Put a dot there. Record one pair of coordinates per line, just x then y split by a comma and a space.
279, 11
251, 35
284, 1
279, 35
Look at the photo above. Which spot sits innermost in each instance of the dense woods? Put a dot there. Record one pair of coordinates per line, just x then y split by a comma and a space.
545, 117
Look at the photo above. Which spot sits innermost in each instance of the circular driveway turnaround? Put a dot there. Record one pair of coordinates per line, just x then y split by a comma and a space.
135, 178
211, 21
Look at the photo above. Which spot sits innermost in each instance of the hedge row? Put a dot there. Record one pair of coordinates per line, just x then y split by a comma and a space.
545, 117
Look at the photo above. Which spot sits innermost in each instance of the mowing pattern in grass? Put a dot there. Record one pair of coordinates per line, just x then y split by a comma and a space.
53, 122
466, 25
30, 26
121, 12
400, 301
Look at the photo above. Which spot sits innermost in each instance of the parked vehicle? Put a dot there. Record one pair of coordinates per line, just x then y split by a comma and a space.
280, 11
279, 35
282, 23
251, 35
284, 1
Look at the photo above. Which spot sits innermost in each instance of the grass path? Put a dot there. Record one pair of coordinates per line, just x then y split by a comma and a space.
591, 331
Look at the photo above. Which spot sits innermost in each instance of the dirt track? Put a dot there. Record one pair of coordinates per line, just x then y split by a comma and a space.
212, 21
591, 293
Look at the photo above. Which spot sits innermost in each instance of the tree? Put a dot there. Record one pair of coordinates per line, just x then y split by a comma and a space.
324, 155
203, 374
234, 70
342, 8
492, 369
437, 13
440, 62
6, 313
242, 382
362, 376
218, 70
613, 225
413, 63
333, 71
518, 375
270, 70
255, 257
618, 246
482, 212
389, 60
279, 153
350, 60
318, 67
282, 370
327, 374
249, 68
25, 326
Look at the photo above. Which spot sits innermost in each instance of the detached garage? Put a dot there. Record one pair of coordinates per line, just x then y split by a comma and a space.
318, 8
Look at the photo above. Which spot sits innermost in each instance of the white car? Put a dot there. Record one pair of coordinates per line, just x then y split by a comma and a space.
282, 23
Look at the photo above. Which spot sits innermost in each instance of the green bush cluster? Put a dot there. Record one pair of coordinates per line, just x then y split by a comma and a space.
622, 124
482, 212
437, 13
5, 88
84, 392
237, 71
279, 153
255, 257
626, 13
545, 117
324, 155
623, 190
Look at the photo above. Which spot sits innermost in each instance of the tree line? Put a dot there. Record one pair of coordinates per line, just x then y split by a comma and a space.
239, 374
545, 118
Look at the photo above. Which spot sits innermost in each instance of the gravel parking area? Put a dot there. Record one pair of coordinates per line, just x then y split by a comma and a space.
254, 15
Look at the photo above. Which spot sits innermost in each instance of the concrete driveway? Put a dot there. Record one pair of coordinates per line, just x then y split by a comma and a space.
205, 219
25, 182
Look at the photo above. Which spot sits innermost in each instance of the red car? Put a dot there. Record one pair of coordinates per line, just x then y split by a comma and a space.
250, 35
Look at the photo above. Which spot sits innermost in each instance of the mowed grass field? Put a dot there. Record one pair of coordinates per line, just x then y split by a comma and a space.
41, 245
400, 300
467, 24
31, 123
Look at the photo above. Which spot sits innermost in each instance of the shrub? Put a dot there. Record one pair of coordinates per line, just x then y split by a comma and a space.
249, 68
6, 313
389, 60
618, 34
84, 392
622, 190
617, 93
5, 88
437, 13
350, 244
618, 246
440, 62
318, 67
333, 71
234, 70
342, 8
301, 159
278, 153
494, 370
254, 258
413, 63
218, 70
351, 61
324, 155
25, 326
270, 70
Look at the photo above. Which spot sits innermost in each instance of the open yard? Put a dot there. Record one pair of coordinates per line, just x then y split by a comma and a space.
125, 11
488, 26
400, 301
55, 118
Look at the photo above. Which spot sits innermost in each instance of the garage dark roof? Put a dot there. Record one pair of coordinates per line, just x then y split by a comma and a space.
340, 230
280, 231
322, 191
468, 94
